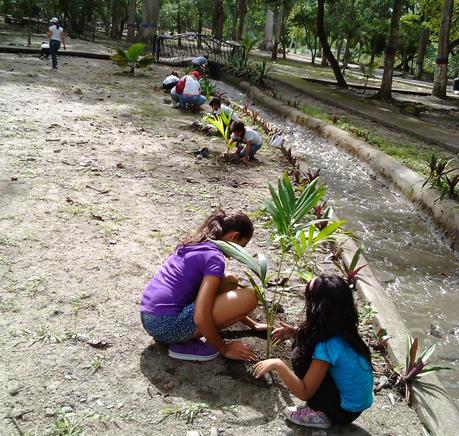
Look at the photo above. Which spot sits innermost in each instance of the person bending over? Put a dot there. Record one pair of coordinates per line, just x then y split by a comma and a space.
248, 141
217, 108
190, 299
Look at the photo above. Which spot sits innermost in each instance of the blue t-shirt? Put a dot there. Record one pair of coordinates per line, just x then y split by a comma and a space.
351, 373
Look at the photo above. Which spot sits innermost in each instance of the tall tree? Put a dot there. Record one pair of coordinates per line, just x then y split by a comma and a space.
422, 48
385, 93
267, 43
116, 18
219, 19
341, 82
150, 16
242, 12
131, 20
441, 68
278, 30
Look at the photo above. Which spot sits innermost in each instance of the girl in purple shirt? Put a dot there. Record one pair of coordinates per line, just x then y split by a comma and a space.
190, 298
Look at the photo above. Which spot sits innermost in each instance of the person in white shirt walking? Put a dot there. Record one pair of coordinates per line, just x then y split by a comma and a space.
56, 36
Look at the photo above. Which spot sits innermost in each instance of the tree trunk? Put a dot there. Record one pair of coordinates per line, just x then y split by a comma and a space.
326, 47
179, 17
385, 93
243, 8
422, 48
441, 69
277, 32
234, 23
116, 18
347, 53
219, 19
131, 20
282, 35
269, 26
150, 16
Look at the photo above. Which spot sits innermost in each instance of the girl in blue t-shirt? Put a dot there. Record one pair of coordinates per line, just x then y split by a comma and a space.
331, 363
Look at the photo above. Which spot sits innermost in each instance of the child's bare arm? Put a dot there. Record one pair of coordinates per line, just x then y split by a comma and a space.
302, 389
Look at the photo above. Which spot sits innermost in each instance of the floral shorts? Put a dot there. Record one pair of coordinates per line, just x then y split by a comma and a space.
171, 329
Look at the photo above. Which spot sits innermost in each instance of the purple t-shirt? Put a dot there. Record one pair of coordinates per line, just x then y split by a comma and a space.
177, 283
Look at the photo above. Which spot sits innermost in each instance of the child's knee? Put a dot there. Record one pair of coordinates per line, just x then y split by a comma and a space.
251, 298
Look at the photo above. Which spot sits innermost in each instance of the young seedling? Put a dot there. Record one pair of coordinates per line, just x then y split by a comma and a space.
132, 57
97, 363
222, 123
416, 367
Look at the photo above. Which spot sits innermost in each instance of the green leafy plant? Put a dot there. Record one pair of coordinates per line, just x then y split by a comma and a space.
287, 210
416, 367
207, 87
368, 71
132, 57
222, 123
68, 425
440, 176
260, 73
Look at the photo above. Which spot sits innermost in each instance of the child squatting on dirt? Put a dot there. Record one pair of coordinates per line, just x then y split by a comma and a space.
245, 135
331, 363
190, 298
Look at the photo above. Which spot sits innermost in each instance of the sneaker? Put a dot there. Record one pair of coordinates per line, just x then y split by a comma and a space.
307, 417
196, 350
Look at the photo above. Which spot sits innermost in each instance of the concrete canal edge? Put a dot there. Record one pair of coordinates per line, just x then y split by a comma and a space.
430, 399
444, 213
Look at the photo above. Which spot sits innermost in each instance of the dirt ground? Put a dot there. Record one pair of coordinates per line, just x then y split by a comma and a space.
98, 184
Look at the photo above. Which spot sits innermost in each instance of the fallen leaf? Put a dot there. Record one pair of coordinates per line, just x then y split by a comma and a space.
97, 217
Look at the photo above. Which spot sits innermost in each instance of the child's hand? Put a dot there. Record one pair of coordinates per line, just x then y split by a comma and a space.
284, 332
238, 351
265, 366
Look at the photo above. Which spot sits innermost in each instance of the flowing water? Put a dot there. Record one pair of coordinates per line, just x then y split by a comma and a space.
417, 270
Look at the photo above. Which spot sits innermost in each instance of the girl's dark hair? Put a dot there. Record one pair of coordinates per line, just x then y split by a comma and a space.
174, 73
215, 101
239, 127
220, 223
330, 311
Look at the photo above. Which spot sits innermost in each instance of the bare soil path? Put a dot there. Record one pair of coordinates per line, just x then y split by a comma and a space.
97, 186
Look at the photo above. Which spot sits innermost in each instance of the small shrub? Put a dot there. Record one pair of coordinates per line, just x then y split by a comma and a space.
132, 57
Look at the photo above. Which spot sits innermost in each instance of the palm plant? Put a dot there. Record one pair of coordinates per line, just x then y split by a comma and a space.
286, 210
258, 265
222, 123
132, 57
416, 367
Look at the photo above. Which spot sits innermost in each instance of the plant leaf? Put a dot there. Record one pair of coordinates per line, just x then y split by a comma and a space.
134, 51
146, 61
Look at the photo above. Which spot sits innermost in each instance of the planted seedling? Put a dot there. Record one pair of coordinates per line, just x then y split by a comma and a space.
132, 57
222, 123
416, 367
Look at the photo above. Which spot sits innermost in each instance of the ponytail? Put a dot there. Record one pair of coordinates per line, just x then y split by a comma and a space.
218, 224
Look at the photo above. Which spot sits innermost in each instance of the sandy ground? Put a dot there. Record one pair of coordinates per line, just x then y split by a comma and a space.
97, 187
